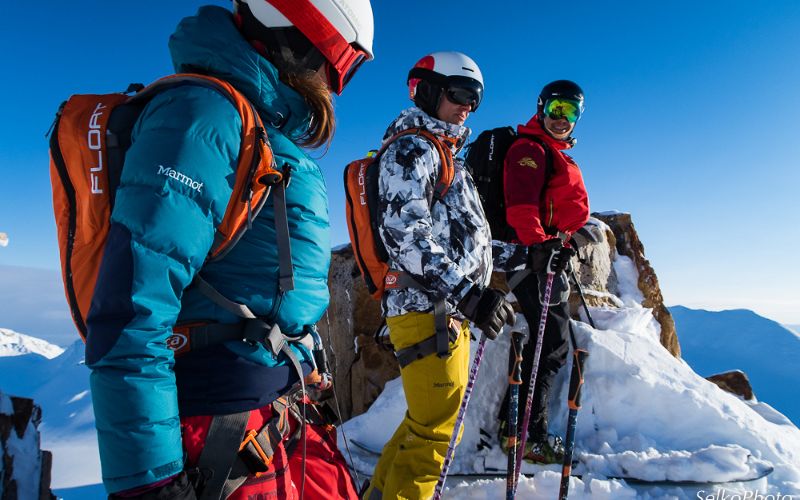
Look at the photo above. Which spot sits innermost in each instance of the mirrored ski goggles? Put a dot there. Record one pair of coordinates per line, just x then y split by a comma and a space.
559, 108
465, 96
340, 74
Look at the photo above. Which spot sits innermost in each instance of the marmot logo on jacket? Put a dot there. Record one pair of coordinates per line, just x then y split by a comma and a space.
183, 178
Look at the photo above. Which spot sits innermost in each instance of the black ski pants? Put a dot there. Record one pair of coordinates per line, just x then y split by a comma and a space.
555, 346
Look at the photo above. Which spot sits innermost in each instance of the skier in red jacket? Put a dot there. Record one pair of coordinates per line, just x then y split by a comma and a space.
546, 202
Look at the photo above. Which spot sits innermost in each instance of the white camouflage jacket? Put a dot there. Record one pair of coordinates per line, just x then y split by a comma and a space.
445, 246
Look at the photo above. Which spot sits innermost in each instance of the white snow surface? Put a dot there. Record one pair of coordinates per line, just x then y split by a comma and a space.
645, 415
17, 344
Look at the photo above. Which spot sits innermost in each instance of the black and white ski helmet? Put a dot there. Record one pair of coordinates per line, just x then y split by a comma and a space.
565, 89
432, 75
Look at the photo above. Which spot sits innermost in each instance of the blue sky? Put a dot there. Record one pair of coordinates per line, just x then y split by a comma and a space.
690, 121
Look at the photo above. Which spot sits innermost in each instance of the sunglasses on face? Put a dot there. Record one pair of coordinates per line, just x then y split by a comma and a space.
464, 96
568, 109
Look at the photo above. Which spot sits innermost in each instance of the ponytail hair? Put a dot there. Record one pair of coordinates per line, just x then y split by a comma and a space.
319, 100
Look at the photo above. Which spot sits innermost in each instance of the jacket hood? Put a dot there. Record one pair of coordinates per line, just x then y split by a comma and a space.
534, 127
210, 43
416, 118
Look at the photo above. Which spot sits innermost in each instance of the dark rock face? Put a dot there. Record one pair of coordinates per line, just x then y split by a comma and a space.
362, 367
19, 441
735, 382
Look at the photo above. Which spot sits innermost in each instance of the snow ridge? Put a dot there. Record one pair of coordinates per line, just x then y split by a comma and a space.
17, 344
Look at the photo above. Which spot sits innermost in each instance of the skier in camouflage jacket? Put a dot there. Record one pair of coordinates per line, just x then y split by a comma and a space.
445, 246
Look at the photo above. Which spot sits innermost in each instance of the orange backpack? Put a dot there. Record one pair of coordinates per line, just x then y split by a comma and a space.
90, 136
361, 191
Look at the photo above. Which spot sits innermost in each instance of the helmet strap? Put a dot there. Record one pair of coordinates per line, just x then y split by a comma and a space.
427, 97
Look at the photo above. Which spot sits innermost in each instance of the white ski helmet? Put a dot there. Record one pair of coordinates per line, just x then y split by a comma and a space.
441, 72
341, 30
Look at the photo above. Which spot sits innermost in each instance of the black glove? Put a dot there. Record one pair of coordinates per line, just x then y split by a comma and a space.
552, 252
178, 489
488, 309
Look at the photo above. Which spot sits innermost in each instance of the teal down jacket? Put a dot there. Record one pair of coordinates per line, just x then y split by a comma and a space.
162, 230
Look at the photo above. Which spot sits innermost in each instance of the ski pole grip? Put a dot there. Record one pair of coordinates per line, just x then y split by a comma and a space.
515, 359
576, 378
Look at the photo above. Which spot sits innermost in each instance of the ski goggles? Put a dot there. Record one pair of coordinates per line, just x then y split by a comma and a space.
344, 58
466, 93
560, 108
340, 74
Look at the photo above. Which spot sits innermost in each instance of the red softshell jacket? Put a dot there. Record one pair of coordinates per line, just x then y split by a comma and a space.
564, 205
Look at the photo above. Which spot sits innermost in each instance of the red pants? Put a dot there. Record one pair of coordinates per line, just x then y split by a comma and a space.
326, 473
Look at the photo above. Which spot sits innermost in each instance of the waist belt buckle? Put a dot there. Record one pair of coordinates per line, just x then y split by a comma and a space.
253, 455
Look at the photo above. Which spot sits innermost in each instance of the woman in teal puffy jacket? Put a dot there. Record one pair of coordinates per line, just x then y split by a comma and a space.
286, 57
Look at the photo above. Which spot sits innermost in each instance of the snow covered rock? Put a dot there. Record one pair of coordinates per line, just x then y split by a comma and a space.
24, 468
645, 415
612, 270
627, 243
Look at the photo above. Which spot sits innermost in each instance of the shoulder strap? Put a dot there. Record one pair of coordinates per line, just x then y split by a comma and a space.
447, 169
256, 172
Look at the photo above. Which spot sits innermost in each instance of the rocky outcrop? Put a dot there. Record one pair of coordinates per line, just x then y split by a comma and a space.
629, 245
24, 468
362, 367
735, 382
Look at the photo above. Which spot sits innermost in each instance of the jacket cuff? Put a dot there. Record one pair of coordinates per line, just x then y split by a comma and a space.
117, 484
460, 291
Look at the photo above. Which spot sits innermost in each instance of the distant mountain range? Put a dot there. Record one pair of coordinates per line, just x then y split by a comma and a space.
768, 352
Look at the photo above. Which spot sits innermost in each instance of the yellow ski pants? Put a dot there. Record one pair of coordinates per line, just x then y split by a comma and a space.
411, 461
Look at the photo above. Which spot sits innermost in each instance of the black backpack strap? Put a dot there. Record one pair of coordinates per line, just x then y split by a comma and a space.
220, 451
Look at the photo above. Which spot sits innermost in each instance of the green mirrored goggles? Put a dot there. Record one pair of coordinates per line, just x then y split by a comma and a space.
559, 108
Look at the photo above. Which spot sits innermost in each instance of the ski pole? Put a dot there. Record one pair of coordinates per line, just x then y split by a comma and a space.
535, 368
583, 299
462, 410
514, 381
574, 402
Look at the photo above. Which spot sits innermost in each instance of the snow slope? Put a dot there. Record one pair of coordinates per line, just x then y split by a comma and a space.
714, 342
645, 414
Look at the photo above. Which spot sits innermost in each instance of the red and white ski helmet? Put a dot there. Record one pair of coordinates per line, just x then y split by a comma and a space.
435, 73
342, 30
